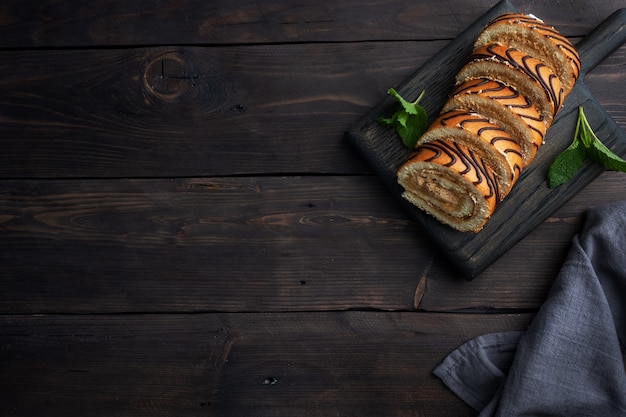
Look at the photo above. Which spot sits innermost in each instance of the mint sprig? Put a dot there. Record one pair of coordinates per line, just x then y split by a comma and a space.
410, 120
585, 145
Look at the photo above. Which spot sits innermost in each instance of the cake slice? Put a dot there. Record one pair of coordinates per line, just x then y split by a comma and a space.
532, 36
505, 106
487, 140
515, 68
452, 183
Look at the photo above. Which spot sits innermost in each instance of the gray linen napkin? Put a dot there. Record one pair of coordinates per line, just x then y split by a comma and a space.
569, 361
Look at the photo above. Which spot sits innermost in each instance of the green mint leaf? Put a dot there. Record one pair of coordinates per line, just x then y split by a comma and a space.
596, 150
585, 144
583, 131
602, 155
567, 164
402, 117
410, 120
410, 107
388, 120
410, 131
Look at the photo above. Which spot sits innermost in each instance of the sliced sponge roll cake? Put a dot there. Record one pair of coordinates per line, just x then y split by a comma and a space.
532, 36
452, 183
513, 67
506, 96
504, 106
489, 141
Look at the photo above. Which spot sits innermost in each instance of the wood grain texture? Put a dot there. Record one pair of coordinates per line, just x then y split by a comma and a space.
309, 364
309, 243
184, 230
109, 365
171, 111
191, 111
47, 23
251, 244
605, 85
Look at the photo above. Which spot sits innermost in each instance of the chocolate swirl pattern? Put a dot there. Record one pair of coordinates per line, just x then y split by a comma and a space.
504, 105
511, 66
493, 123
488, 140
451, 182
533, 36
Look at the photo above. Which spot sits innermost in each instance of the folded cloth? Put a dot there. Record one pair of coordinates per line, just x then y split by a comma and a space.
569, 361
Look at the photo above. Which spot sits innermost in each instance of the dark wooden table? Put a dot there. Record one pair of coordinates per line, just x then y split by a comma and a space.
185, 231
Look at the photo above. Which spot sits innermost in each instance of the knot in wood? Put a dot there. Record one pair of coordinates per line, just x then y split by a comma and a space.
168, 76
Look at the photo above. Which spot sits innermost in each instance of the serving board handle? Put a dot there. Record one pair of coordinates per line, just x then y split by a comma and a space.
602, 41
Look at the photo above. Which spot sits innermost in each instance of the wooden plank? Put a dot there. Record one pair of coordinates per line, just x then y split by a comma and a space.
601, 82
46, 23
109, 365
309, 364
190, 111
251, 244
216, 244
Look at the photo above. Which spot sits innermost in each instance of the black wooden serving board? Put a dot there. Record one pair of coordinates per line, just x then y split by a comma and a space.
530, 201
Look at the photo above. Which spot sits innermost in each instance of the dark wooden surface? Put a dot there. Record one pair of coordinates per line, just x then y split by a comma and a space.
185, 231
